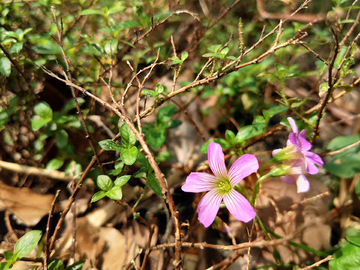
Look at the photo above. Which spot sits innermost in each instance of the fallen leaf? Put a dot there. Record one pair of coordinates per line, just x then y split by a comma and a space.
27, 206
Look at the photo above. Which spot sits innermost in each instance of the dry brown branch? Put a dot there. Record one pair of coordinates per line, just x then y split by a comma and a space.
73, 195
328, 258
68, 77
304, 18
159, 175
217, 76
342, 149
47, 234
258, 244
34, 171
15, 65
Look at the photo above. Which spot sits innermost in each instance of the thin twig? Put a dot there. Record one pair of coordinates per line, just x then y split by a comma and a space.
342, 149
69, 78
217, 76
324, 102
259, 244
15, 65
328, 258
47, 234
34, 171
74, 194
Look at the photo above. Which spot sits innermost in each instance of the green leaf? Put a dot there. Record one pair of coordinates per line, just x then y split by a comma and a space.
90, 12
353, 236
127, 43
172, 124
109, 145
98, 196
54, 164
129, 155
149, 92
62, 138
343, 141
346, 258
37, 122
8, 255
71, 105
357, 188
165, 114
214, 48
230, 136
26, 244
48, 48
224, 52
76, 266
159, 88
122, 180
127, 135
143, 162
115, 193
345, 167
249, 132
223, 143
184, 56
175, 60
16, 48
125, 25
155, 185
163, 156
111, 47
5, 66
95, 49
104, 182
5, 265
56, 264
116, 9
231, 58
276, 110
216, 55
118, 168
43, 110
156, 138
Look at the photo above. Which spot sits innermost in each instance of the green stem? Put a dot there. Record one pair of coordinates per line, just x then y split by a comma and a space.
256, 188
141, 196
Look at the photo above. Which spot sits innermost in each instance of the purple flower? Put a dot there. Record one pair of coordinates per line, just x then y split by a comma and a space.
299, 140
297, 155
291, 172
220, 186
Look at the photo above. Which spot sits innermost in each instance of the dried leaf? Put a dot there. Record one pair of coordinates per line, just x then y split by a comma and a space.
27, 206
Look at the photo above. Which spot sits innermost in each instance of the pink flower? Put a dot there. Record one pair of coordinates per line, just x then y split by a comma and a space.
300, 141
297, 155
220, 186
292, 172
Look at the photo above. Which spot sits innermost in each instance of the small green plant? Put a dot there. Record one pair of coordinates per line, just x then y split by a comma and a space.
22, 248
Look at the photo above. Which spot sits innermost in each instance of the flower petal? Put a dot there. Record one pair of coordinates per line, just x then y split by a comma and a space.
216, 160
199, 182
208, 207
293, 125
296, 166
311, 168
300, 141
288, 179
239, 206
242, 167
303, 143
303, 184
314, 158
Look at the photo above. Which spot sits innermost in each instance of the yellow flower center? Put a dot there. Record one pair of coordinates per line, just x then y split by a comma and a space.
224, 186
